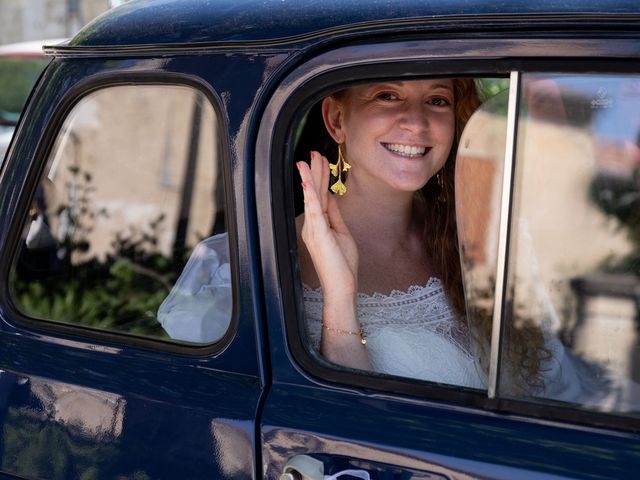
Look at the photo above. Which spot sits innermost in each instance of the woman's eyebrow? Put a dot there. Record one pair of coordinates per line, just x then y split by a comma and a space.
443, 85
399, 83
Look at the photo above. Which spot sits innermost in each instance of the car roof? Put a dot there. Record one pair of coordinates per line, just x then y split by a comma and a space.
193, 22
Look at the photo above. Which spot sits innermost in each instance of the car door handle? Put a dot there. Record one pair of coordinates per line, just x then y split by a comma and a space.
304, 467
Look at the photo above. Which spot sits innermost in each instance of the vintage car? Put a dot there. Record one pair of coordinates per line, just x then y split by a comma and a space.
165, 126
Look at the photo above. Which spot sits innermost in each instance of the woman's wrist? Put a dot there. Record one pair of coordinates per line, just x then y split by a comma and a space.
338, 305
340, 313
359, 333
339, 293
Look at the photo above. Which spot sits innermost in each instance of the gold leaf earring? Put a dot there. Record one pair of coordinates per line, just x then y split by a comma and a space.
442, 196
337, 169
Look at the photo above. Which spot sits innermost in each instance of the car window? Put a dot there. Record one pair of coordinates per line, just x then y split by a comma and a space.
567, 329
478, 182
415, 332
574, 261
571, 296
131, 190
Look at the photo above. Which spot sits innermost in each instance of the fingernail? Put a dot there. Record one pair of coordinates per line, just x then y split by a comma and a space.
313, 154
298, 165
304, 186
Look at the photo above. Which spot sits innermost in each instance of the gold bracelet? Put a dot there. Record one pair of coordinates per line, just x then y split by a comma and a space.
360, 333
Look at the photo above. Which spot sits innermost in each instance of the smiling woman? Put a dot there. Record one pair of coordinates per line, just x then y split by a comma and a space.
413, 121
380, 263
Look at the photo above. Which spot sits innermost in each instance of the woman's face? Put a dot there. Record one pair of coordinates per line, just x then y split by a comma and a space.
397, 134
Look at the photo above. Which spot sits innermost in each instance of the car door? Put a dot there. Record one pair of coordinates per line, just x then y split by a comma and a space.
393, 427
120, 168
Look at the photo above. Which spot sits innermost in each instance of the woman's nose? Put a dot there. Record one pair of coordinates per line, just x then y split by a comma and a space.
415, 118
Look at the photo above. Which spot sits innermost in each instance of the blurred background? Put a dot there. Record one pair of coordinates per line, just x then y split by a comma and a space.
23, 20
25, 27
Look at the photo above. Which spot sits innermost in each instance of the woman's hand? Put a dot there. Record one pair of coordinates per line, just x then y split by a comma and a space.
326, 236
335, 257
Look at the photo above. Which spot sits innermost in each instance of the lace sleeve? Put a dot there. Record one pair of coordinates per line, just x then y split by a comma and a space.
198, 308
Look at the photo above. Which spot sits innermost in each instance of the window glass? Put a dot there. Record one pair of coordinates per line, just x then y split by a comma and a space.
573, 287
132, 186
478, 184
410, 318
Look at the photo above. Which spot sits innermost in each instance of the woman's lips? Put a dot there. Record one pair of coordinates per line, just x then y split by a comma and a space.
410, 151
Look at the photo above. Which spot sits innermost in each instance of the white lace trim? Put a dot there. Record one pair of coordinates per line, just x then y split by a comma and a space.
315, 294
412, 333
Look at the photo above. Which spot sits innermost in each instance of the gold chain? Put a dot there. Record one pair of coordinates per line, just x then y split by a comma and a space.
360, 333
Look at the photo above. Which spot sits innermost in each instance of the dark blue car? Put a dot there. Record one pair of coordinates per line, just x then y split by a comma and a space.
167, 130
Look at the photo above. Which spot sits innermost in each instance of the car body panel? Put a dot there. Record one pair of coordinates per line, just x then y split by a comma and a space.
243, 22
165, 403
429, 437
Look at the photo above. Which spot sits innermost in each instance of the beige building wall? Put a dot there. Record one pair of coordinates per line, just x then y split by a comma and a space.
23, 20
124, 149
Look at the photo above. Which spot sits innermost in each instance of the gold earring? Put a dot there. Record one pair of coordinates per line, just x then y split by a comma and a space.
442, 196
337, 169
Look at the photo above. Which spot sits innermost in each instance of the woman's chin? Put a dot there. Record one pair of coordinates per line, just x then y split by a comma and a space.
411, 181
408, 187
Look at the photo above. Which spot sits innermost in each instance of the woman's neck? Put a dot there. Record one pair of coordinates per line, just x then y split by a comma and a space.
387, 219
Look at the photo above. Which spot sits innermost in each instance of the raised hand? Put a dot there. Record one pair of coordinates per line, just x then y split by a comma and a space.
326, 236
335, 257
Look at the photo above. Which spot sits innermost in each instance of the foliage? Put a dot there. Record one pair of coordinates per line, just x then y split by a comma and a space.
490, 90
120, 292
619, 198
17, 77
490, 87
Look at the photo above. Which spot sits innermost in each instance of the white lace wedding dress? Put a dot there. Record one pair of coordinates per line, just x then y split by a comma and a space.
410, 334
416, 334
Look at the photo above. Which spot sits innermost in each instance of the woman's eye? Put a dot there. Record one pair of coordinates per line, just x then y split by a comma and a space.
387, 96
440, 102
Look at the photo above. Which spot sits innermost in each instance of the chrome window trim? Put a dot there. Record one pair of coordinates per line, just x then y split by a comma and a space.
503, 235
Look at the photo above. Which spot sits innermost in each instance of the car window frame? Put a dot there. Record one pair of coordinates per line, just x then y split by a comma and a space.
334, 69
61, 111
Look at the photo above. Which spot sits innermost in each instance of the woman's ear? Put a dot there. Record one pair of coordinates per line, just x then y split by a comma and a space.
333, 116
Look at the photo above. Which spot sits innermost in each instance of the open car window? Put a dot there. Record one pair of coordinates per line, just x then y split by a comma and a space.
567, 311
414, 333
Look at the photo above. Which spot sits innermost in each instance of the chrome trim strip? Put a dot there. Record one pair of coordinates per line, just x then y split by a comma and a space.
436, 49
503, 236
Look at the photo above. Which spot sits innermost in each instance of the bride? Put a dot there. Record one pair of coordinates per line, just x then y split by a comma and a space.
380, 264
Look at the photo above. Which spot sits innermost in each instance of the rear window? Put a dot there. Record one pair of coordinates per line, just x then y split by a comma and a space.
131, 190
